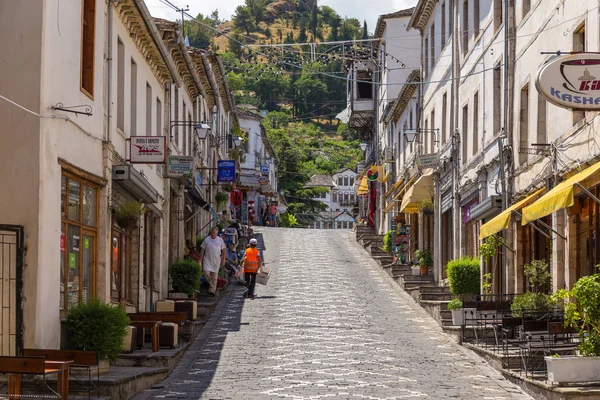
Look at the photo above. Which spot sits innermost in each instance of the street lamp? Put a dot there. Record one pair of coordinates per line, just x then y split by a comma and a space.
363, 146
200, 127
410, 135
413, 134
237, 141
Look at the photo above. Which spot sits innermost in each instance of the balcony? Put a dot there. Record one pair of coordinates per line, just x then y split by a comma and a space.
361, 98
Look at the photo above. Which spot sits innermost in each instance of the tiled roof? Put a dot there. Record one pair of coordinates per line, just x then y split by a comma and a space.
320, 180
398, 14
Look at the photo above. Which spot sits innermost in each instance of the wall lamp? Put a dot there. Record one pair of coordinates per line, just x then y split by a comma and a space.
413, 134
200, 127
237, 141
363, 146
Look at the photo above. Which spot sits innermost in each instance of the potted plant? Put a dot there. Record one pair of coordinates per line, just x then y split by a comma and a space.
456, 307
538, 275
582, 312
425, 259
464, 279
127, 214
97, 326
426, 206
387, 241
184, 276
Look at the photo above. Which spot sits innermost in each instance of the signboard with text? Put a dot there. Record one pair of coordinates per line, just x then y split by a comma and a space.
264, 169
179, 166
147, 149
429, 161
226, 171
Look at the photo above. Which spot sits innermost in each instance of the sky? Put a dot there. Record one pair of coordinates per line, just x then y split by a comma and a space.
360, 9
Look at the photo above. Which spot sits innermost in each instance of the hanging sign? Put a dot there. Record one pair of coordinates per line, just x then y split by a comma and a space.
571, 81
179, 166
63, 242
429, 161
264, 169
226, 171
147, 149
263, 180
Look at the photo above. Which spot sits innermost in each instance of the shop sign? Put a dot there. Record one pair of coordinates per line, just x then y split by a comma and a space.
179, 166
226, 171
147, 149
429, 161
281, 208
264, 169
263, 180
467, 211
571, 81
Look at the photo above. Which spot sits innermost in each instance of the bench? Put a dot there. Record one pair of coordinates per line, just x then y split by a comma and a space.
80, 359
15, 367
168, 328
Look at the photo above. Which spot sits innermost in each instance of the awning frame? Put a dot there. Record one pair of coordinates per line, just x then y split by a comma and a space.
545, 225
584, 190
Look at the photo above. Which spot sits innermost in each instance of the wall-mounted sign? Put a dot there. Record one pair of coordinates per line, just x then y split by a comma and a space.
571, 81
148, 149
264, 169
179, 166
429, 161
198, 181
373, 173
226, 171
281, 208
263, 180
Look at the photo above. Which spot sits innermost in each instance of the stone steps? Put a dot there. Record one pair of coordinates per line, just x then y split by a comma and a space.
436, 296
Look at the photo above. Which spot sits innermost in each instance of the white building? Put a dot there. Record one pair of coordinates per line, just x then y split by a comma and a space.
343, 196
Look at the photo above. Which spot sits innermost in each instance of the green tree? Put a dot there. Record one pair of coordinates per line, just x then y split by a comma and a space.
365, 32
243, 19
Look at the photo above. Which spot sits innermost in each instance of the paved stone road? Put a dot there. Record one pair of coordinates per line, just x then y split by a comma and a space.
330, 324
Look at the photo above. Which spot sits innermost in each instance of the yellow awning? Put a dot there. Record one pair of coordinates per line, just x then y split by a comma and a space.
559, 197
363, 187
501, 221
396, 186
421, 190
393, 201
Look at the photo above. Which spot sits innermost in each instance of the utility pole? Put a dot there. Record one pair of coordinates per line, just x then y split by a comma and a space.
182, 10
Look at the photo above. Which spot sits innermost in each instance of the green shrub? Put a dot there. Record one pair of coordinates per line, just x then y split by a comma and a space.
424, 257
288, 220
582, 311
97, 326
533, 302
455, 304
537, 274
387, 241
129, 209
463, 275
185, 276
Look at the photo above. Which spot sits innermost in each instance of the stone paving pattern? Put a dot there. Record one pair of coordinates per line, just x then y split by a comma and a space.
330, 324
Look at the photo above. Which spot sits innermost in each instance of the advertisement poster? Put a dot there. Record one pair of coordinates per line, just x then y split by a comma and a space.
148, 149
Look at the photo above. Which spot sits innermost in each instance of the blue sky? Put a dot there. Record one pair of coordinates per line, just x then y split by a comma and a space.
346, 8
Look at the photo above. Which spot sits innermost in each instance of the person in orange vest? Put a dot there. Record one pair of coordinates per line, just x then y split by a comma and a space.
252, 263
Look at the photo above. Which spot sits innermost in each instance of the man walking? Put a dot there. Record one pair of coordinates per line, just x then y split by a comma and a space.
252, 262
273, 215
212, 257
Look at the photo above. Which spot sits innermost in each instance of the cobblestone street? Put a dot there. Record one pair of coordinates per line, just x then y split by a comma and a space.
330, 324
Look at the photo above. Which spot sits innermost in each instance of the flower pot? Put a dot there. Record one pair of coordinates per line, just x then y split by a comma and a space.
573, 369
416, 270
127, 223
458, 316
424, 270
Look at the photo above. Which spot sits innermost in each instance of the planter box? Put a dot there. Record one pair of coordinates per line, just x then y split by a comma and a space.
458, 317
573, 369
415, 270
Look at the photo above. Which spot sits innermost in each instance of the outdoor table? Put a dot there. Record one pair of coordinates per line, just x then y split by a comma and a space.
62, 379
153, 325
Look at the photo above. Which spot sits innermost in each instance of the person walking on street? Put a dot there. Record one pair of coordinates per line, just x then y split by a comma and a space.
264, 214
252, 263
272, 215
212, 258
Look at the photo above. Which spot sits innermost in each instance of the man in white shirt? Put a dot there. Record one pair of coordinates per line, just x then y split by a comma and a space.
212, 257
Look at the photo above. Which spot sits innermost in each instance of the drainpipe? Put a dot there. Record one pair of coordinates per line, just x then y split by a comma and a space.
109, 68
455, 133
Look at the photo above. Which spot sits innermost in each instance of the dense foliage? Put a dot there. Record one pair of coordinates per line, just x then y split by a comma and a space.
463, 275
531, 302
97, 326
185, 276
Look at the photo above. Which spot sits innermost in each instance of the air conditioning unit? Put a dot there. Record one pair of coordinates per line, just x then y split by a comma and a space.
388, 154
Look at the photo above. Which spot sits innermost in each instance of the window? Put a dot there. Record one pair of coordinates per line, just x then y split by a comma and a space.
345, 181
443, 30
365, 85
121, 271
497, 99
351, 181
159, 127
352, 198
476, 17
346, 198
524, 123
133, 99
579, 46
79, 216
184, 136
433, 133
340, 180
444, 116
339, 224
88, 33
465, 132
465, 27
334, 197
475, 123
120, 85
149, 109
541, 120
432, 44
451, 18
526, 7
498, 14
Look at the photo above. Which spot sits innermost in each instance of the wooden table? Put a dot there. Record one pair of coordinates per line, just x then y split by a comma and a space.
60, 368
153, 325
